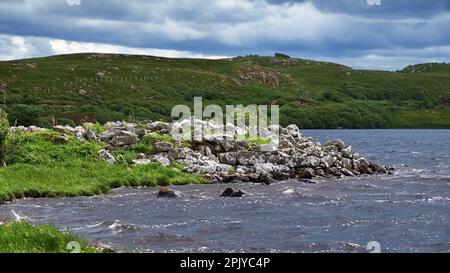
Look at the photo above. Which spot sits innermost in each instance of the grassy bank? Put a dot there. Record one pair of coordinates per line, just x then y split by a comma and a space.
24, 180
37, 166
21, 237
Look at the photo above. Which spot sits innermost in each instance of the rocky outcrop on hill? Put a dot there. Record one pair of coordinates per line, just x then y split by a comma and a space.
225, 160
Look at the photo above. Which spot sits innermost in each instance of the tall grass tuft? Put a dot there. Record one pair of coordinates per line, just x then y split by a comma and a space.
22, 237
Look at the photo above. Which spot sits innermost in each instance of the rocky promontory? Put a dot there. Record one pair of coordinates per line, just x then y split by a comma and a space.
224, 160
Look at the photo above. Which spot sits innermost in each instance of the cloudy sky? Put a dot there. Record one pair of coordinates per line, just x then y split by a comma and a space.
358, 33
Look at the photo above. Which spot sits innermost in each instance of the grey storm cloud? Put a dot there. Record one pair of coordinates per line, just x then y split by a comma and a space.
387, 9
341, 30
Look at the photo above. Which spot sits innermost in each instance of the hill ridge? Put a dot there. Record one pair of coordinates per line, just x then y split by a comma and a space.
312, 94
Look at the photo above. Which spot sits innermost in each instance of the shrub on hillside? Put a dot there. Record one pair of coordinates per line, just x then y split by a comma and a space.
4, 130
25, 115
282, 55
332, 96
66, 121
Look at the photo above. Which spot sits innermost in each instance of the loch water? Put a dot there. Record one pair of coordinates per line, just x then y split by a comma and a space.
405, 212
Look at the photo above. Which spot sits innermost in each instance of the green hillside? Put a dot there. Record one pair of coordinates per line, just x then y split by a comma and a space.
443, 68
105, 87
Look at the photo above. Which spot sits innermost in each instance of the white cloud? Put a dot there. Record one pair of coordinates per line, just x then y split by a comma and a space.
393, 59
222, 27
17, 47
378, 62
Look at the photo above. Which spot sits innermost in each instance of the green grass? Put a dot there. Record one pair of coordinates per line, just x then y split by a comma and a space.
24, 180
39, 167
96, 127
21, 237
430, 118
311, 94
260, 140
153, 138
40, 148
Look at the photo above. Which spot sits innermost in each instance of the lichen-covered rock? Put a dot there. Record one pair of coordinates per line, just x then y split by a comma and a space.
311, 161
63, 129
143, 161
178, 153
164, 161
347, 163
250, 158
347, 152
264, 168
294, 131
123, 138
361, 165
23, 129
329, 161
60, 139
106, 136
228, 158
346, 172
107, 156
337, 143
307, 173
159, 126
90, 135
162, 146
209, 167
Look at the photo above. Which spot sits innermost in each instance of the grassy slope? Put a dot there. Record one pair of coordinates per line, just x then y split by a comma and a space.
20, 237
311, 94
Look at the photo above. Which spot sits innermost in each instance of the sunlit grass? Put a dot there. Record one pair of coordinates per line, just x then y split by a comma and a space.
22, 237
24, 180
38, 167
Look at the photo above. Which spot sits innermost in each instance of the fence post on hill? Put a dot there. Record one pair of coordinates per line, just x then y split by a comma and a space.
3, 89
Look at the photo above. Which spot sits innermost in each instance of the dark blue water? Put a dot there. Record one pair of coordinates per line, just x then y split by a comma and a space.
405, 212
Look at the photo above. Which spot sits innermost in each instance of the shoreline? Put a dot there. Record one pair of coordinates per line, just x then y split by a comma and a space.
93, 159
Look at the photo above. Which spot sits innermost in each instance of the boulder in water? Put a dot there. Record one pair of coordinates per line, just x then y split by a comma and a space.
229, 192
291, 192
166, 192
362, 165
